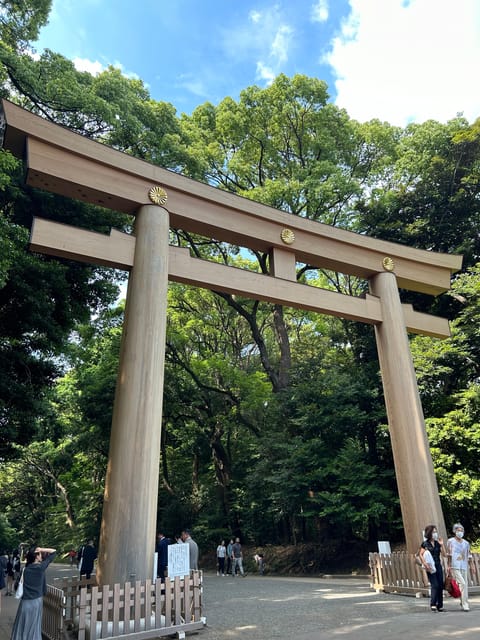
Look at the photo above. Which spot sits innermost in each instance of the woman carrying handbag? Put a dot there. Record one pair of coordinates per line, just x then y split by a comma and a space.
28, 621
431, 550
459, 558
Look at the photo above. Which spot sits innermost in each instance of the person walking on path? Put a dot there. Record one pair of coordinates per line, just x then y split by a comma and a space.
459, 558
237, 557
193, 549
28, 621
10, 576
161, 549
430, 551
88, 555
221, 555
17, 568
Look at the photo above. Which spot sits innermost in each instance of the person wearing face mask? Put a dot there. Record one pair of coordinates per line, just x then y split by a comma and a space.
430, 551
459, 557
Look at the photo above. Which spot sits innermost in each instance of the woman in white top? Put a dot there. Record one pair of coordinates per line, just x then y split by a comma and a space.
459, 557
221, 555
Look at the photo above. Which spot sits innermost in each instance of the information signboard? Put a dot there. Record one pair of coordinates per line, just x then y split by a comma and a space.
178, 560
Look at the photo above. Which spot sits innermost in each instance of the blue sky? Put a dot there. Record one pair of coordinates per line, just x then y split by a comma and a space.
396, 60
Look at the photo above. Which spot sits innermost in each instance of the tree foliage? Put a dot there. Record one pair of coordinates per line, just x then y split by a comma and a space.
21, 20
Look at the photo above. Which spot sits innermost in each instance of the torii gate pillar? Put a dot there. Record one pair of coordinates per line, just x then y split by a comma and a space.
131, 488
417, 485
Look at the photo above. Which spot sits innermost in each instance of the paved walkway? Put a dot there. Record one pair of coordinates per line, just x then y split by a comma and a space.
8, 610
273, 608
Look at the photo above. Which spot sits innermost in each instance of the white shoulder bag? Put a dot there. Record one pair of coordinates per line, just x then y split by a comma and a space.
19, 591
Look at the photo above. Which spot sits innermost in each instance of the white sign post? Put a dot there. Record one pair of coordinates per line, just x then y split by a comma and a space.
178, 560
384, 547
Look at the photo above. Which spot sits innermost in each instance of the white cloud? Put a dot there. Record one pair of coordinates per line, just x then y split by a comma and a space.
404, 60
193, 84
82, 64
265, 72
273, 38
266, 37
320, 11
280, 44
96, 67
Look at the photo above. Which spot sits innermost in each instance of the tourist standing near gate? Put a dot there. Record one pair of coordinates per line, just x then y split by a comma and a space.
221, 555
237, 557
28, 621
88, 555
161, 549
10, 576
229, 556
193, 549
459, 558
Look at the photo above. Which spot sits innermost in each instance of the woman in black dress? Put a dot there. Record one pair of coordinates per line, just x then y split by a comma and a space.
433, 544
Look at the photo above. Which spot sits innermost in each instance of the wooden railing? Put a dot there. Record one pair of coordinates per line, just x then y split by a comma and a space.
144, 608
71, 590
398, 572
53, 621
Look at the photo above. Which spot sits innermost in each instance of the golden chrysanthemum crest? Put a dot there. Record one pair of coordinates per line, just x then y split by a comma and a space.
388, 264
287, 236
158, 195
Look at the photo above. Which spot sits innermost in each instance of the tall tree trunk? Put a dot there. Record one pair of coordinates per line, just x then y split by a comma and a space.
222, 465
195, 483
284, 346
164, 463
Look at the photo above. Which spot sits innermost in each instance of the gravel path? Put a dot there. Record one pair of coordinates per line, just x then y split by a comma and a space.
268, 608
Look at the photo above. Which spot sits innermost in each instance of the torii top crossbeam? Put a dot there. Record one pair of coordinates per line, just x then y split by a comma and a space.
72, 165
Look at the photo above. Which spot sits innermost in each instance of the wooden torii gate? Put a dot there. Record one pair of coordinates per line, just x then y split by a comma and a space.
66, 163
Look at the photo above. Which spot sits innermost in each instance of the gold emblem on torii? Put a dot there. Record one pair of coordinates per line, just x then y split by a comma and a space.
287, 236
388, 264
158, 195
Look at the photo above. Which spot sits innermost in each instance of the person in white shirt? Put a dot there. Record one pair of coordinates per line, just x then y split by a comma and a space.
221, 555
459, 558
